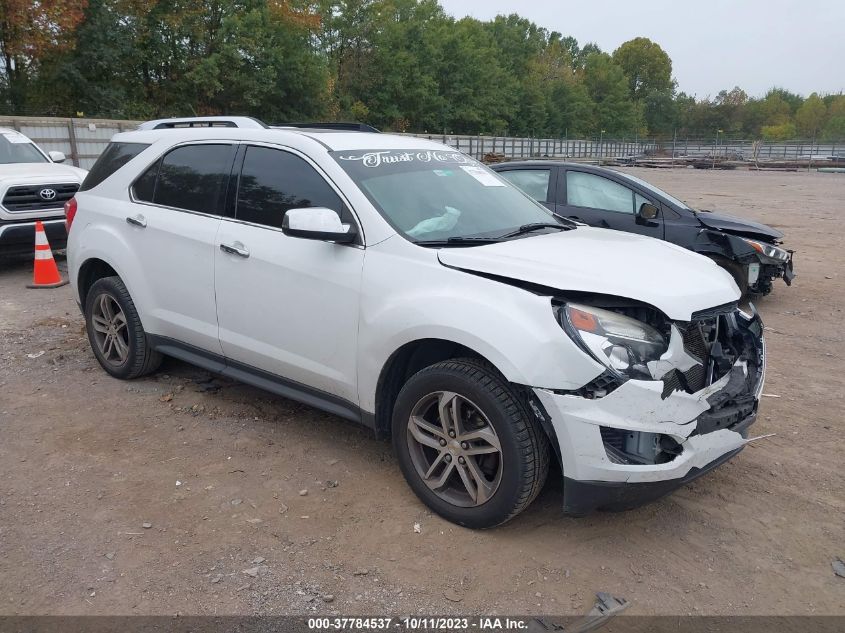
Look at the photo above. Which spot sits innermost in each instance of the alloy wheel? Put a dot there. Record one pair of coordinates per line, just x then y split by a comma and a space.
455, 449
110, 329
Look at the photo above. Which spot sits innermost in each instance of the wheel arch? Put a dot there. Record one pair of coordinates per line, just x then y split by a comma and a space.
92, 270
418, 354
404, 363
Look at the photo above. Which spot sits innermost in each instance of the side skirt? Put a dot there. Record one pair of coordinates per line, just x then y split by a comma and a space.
262, 379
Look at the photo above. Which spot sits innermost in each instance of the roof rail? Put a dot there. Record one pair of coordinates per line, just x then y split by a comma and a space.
332, 125
202, 122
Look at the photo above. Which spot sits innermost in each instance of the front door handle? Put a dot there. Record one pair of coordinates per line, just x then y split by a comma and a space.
235, 249
138, 220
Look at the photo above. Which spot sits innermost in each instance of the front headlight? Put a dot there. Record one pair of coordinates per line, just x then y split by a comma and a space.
621, 343
768, 250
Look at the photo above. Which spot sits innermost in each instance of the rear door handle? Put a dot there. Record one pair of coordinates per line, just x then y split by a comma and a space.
235, 249
138, 220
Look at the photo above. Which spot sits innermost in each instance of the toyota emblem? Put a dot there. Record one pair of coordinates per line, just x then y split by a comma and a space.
47, 194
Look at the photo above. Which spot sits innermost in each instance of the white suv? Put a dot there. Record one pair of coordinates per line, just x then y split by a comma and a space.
33, 186
398, 283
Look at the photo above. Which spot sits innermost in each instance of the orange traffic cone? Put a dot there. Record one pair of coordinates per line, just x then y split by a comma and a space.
46, 273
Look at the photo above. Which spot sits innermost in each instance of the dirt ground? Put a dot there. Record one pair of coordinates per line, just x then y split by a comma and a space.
217, 469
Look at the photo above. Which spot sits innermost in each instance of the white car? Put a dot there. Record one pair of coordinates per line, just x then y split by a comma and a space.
398, 283
33, 186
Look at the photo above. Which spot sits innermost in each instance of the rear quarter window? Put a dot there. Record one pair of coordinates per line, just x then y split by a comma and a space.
115, 156
192, 177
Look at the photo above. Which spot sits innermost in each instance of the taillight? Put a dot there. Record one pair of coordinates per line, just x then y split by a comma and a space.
70, 212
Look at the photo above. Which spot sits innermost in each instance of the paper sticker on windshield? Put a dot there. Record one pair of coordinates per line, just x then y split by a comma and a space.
387, 157
484, 177
14, 137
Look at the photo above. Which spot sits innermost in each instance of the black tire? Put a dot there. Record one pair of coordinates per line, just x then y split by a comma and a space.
141, 359
524, 453
737, 271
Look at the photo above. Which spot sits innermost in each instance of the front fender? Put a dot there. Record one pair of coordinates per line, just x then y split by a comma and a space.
710, 242
512, 328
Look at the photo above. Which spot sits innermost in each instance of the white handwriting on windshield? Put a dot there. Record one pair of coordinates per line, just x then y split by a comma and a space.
375, 159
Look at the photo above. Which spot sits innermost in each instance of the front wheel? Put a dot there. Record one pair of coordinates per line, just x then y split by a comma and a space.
115, 332
468, 444
737, 271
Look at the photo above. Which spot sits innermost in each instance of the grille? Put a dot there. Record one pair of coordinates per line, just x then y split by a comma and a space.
696, 345
28, 197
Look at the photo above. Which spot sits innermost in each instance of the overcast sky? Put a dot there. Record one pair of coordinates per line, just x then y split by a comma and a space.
714, 44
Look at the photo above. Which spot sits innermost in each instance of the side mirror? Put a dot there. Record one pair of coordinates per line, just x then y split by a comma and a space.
57, 157
317, 223
648, 211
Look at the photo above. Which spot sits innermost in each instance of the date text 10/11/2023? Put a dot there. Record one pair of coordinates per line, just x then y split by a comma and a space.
418, 623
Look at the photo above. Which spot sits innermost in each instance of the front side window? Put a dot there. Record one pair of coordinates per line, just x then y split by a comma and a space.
273, 181
434, 195
649, 187
16, 148
534, 182
191, 177
596, 192
115, 156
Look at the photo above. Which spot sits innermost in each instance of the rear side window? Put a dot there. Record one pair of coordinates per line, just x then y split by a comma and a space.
115, 156
534, 182
192, 177
145, 185
273, 181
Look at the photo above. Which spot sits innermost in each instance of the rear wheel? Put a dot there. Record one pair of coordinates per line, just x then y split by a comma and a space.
115, 332
468, 444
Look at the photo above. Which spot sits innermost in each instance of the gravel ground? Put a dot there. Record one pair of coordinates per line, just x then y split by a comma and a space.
185, 493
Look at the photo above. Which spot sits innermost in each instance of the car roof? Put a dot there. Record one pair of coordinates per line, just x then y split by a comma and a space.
8, 130
330, 139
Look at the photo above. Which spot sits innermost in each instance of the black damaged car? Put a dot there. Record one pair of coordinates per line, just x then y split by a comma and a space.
748, 250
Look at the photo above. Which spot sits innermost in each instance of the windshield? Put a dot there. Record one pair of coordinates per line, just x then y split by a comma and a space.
16, 148
433, 195
642, 183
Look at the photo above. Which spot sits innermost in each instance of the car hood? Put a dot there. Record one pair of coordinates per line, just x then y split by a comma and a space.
731, 224
674, 280
22, 173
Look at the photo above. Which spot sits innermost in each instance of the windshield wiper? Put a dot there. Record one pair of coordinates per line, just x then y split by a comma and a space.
459, 240
535, 226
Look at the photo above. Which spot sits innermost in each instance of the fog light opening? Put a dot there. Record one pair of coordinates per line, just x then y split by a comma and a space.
637, 447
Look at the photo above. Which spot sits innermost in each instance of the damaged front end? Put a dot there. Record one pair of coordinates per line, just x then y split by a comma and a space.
761, 260
675, 401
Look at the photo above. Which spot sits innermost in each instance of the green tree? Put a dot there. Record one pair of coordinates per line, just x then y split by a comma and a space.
392, 65
481, 95
780, 132
607, 88
730, 105
834, 129
646, 66
810, 117
568, 109
660, 112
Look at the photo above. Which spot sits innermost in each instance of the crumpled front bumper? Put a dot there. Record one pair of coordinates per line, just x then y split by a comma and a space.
768, 270
706, 434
